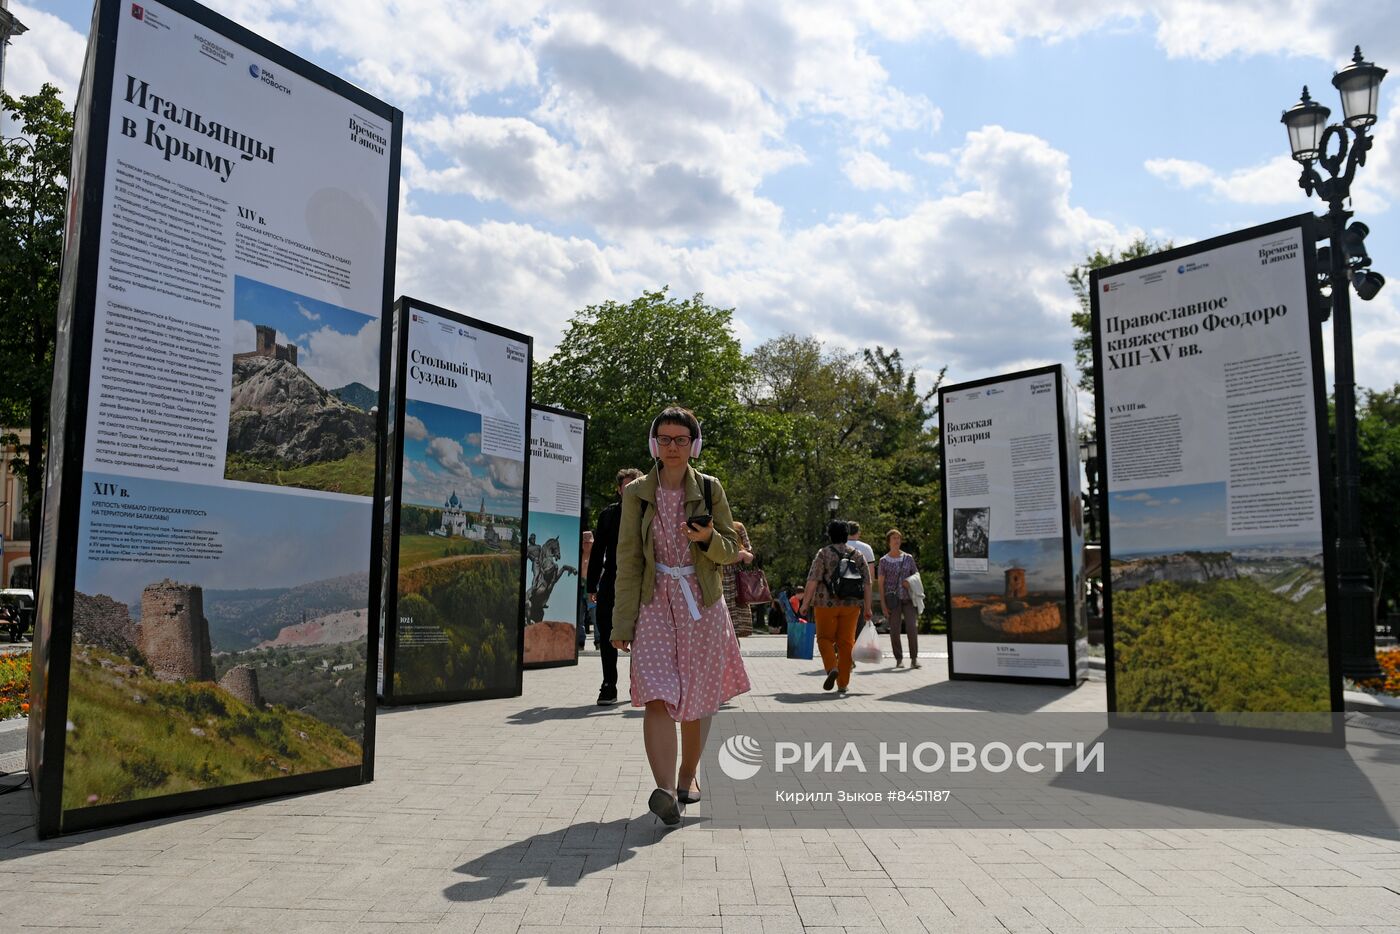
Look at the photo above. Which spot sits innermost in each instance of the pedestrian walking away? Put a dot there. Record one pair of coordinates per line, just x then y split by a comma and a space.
602, 582
586, 608
675, 533
837, 589
896, 571
853, 539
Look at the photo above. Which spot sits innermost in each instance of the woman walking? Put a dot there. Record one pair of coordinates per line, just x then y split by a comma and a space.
739, 613
674, 535
838, 600
895, 570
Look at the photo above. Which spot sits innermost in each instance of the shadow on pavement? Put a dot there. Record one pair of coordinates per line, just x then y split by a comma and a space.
1164, 780
532, 715
817, 696
559, 858
983, 696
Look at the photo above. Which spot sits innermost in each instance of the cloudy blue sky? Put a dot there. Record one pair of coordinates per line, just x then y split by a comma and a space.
916, 173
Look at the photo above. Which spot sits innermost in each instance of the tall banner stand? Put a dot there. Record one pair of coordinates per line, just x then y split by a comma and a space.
212, 493
1013, 532
456, 537
1217, 544
555, 591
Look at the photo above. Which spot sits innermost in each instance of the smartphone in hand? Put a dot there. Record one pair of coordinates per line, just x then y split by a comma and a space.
699, 522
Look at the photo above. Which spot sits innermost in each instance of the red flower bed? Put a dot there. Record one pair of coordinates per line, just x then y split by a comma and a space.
14, 685
1390, 664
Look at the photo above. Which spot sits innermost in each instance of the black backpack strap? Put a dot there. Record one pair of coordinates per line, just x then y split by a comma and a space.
709, 504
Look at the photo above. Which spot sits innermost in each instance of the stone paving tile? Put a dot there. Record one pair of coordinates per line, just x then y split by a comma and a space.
529, 814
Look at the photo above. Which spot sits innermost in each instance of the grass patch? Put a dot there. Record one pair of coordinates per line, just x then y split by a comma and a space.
352, 474
133, 736
421, 549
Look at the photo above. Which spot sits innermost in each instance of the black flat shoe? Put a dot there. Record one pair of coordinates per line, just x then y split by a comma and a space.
830, 681
686, 796
607, 697
664, 806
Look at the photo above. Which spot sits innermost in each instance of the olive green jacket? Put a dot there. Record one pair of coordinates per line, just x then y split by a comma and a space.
636, 547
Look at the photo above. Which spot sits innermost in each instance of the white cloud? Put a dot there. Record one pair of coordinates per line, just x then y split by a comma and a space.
869, 172
51, 51
307, 313
1273, 182
993, 252
447, 453
507, 473
414, 429
334, 359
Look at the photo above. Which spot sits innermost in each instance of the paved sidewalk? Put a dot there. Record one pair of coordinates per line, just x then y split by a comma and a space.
529, 814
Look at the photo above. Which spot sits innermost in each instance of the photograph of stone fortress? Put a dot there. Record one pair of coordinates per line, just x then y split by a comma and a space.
1015, 584
173, 637
268, 347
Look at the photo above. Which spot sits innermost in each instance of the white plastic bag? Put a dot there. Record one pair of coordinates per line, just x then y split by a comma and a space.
867, 647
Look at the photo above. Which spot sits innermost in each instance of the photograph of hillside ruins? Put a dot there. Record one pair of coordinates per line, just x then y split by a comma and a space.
242, 664
1207, 621
1019, 598
301, 410
459, 586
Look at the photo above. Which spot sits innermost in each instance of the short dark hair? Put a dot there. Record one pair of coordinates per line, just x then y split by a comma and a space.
836, 531
853, 527
677, 415
626, 475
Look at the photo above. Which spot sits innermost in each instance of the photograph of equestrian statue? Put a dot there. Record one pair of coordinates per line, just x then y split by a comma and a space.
552, 590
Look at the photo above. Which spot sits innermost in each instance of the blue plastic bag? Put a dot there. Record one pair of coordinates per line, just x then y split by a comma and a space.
801, 635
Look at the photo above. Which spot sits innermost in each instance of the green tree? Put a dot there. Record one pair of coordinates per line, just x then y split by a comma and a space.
1078, 279
620, 364
1378, 437
821, 421
33, 197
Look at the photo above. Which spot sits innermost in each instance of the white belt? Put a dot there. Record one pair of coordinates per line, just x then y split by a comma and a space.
678, 573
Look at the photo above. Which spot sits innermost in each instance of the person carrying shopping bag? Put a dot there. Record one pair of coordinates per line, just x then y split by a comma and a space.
897, 574
837, 591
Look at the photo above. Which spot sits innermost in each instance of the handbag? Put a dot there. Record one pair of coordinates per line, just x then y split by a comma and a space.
751, 586
867, 647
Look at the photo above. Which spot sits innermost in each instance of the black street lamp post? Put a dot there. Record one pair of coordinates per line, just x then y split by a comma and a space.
1342, 266
833, 503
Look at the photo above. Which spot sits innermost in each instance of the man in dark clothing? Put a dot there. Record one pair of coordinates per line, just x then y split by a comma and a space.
602, 578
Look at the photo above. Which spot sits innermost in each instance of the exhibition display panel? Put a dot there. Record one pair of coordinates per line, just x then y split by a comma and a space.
458, 466
554, 549
1212, 425
205, 591
1013, 529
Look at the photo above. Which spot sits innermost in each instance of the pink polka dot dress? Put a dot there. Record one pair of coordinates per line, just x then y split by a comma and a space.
692, 664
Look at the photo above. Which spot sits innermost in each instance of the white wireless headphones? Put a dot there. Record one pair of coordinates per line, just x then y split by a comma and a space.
695, 443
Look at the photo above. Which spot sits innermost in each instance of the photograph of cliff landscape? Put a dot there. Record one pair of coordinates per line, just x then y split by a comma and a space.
1019, 598
460, 526
300, 406
192, 674
1205, 621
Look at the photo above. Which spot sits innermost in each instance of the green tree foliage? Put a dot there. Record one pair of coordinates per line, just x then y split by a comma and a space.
33, 195
786, 425
1078, 279
1224, 646
475, 602
1378, 436
621, 364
